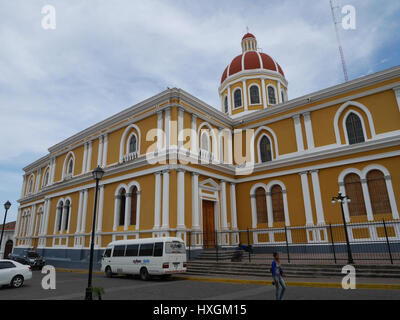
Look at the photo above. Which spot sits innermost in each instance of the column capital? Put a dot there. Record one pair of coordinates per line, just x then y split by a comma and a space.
303, 173
233, 184
307, 114
194, 174
117, 197
181, 170
314, 171
388, 178
157, 173
128, 195
166, 171
364, 181
341, 184
296, 117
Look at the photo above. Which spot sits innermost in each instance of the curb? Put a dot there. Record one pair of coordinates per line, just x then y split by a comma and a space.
296, 283
332, 285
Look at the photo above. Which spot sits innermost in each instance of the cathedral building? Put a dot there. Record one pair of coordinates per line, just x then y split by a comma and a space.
176, 166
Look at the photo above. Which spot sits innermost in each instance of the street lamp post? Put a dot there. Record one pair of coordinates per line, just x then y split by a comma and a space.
7, 206
342, 199
97, 175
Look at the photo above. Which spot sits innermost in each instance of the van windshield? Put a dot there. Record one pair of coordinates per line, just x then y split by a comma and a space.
175, 247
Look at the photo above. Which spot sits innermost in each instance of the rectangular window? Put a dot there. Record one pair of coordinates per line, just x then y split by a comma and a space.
158, 249
132, 250
175, 247
119, 251
146, 250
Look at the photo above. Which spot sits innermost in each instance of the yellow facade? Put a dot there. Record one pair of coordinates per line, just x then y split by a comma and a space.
171, 180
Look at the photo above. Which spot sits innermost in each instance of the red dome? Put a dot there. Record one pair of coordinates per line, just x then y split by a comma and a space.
251, 60
248, 35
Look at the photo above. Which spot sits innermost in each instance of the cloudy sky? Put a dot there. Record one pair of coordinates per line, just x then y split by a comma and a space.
105, 56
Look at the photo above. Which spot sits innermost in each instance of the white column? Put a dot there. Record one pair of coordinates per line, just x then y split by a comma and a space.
17, 226
47, 217
306, 198
223, 206
299, 133
270, 210
245, 104
195, 201
392, 198
105, 150
57, 219
84, 210
181, 199
317, 198
23, 187
100, 152
180, 128
52, 170
37, 185
229, 100
167, 128
253, 211
84, 162
63, 217
165, 207
80, 205
194, 135
160, 135
40, 225
279, 98
101, 208
309, 130
157, 201
233, 206
117, 204
368, 206
32, 220
89, 157
264, 93
286, 208
128, 211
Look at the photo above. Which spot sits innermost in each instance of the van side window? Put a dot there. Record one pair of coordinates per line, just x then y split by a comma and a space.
146, 250
158, 249
132, 250
119, 251
107, 253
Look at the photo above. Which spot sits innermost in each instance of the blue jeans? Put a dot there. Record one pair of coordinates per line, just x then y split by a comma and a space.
280, 282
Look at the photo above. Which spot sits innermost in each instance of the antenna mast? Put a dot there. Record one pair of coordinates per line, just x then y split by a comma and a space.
336, 22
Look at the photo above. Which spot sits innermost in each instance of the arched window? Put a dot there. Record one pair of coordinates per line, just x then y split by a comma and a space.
133, 144
59, 216
226, 105
46, 178
122, 208
238, 98
67, 209
134, 206
271, 95
265, 149
354, 129
30, 186
261, 204
277, 203
205, 142
254, 95
378, 192
70, 167
354, 191
283, 96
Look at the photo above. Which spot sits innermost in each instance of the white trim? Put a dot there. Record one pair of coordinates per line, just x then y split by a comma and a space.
397, 94
165, 200
317, 198
273, 143
309, 130
123, 140
307, 199
246, 104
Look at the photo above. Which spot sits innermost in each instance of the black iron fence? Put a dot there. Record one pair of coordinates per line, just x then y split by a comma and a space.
365, 243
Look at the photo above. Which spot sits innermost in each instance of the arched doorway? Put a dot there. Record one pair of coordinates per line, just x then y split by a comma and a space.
8, 248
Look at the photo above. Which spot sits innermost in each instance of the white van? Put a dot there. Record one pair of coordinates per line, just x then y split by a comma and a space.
145, 257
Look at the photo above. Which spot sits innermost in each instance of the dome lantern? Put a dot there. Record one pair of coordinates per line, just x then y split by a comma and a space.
249, 43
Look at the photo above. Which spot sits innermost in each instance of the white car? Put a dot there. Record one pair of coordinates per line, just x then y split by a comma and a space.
14, 273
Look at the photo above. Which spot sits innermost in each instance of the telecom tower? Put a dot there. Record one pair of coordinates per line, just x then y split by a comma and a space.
336, 21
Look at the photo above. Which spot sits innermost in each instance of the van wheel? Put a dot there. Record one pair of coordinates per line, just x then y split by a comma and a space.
144, 274
109, 273
17, 281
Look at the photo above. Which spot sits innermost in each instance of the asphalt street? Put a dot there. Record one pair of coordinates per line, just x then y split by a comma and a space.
71, 286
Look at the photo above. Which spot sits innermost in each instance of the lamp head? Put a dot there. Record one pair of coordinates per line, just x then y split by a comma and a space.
7, 205
98, 173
